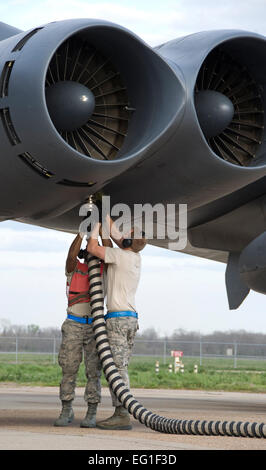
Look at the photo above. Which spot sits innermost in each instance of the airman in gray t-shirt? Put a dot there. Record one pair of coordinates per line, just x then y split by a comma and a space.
123, 274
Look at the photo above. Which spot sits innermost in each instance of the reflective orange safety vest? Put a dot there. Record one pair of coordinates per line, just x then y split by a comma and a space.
78, 290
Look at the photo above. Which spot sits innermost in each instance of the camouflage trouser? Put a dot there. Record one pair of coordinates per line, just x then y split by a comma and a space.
121, 333
76, 339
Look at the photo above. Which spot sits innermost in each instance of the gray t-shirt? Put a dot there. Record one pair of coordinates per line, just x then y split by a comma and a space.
123, 274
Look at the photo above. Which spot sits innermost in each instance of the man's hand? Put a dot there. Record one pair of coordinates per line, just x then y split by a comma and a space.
114, 232
92, 246
105, 240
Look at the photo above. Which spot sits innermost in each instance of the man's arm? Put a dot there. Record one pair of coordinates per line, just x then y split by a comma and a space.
92, 246
74, 249
114, 232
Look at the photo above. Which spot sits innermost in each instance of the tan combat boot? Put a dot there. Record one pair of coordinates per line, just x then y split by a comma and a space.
90, 419
120, 420
66, 416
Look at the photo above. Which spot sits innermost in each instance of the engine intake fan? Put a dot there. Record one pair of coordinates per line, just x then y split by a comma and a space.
230, 108
87, 100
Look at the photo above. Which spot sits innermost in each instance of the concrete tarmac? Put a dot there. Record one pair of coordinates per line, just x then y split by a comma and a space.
27, 415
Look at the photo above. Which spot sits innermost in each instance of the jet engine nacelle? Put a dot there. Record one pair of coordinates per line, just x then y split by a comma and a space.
81, 101
219, 146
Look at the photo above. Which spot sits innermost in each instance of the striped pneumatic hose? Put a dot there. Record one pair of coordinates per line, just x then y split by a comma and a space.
151, 420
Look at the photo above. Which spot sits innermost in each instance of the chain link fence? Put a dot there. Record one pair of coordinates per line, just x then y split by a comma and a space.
19, 349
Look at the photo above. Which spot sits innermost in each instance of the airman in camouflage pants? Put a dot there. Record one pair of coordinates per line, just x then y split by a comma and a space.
77, 338
121, 333
123, 274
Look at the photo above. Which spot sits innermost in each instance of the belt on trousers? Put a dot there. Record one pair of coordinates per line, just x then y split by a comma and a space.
86, 320
127, 313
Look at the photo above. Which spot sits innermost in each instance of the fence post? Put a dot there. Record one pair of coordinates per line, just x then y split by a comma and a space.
54, 350
235, 355
200, 352
16, 349
164, 352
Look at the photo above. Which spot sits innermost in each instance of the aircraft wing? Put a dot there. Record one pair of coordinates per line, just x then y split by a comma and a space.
86, 107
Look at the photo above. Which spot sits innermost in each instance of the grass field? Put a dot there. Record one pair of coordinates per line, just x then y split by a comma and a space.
214, 374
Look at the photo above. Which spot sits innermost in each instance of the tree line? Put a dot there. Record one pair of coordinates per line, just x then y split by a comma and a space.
149, 334
149, 341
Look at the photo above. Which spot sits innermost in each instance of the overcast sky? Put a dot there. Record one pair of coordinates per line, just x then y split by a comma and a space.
176, 290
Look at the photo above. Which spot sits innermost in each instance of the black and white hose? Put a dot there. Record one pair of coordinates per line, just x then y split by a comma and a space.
151, 420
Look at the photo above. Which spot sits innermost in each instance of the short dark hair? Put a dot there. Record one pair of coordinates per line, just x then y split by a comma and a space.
140, 241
